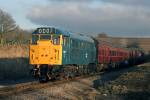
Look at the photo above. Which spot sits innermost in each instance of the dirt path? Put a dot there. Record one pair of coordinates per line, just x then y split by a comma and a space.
122, 84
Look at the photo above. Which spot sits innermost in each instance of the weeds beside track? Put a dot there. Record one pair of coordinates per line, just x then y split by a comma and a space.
31, 86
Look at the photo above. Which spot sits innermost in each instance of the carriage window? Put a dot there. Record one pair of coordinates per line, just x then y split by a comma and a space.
103, 52
110, 53
113, 53
116, 53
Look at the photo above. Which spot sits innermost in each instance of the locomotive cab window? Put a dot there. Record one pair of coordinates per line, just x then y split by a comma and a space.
45, 37
35, 38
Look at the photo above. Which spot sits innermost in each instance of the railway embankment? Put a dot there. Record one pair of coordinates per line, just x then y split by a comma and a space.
14, 63
131, 85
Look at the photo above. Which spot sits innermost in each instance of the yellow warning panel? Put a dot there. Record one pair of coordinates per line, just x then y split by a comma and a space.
46, 53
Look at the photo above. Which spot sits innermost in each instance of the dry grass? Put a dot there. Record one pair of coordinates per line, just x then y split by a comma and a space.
77, 90
132, 85
14, 51
133, 75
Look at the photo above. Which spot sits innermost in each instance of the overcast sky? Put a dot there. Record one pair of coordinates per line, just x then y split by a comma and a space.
115, 17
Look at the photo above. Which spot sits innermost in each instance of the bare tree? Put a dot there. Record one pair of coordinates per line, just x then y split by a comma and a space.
102, 35
7, 24
134, 44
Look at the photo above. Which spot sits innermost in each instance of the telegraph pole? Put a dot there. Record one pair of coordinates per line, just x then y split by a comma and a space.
1, 33
2, 26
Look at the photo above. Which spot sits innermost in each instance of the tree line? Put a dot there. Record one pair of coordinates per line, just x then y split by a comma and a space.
10, 32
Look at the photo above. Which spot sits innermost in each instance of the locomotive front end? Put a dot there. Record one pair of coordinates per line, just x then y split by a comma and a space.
45, 50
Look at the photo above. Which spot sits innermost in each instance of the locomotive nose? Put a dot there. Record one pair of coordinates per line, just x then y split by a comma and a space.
40, 53
44, 54
44, 51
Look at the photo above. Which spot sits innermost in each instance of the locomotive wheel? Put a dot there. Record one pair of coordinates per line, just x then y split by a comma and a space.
34, 72
84, 70
69, 72
110, 67
43, 77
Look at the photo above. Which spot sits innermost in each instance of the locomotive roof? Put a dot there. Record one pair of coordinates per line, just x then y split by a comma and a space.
52, 30
82, 37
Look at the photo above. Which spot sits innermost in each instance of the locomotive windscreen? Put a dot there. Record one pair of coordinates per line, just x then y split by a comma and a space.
35, 38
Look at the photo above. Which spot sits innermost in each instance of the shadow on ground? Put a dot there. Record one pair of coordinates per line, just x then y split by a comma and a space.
109, 76
143, 95
128, 96
13, 70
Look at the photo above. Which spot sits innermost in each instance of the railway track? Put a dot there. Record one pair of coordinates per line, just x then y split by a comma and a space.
30, 86
35, 85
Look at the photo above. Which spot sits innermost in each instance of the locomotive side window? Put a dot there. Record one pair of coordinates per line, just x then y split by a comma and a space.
64, 41
73, 43
56, 39
67, 41
82, 44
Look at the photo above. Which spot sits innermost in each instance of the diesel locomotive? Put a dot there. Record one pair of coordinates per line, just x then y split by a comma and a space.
56, 53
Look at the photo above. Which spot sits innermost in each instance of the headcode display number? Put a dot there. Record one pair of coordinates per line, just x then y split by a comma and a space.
44, 31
